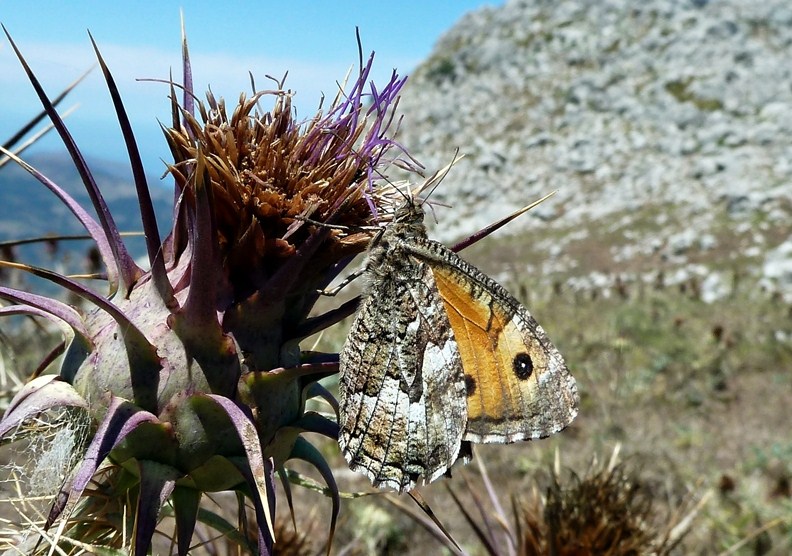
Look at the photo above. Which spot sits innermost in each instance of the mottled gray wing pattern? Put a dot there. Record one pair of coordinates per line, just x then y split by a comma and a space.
402, 389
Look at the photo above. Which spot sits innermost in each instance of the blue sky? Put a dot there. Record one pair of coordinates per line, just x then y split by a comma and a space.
314, 41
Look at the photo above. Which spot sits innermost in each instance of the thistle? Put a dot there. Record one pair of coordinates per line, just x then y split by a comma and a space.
192, 372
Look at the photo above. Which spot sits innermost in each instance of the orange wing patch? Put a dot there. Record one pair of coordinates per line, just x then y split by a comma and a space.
501, 361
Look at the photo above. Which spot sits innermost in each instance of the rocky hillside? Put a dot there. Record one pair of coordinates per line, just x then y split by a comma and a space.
665, 126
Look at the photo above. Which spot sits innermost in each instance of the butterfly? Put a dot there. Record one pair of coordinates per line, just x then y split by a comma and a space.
439, 356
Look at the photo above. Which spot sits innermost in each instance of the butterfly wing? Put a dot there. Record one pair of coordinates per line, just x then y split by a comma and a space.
402, 391
518, 386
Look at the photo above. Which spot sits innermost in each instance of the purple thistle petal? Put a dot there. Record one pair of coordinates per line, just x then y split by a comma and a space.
340, 125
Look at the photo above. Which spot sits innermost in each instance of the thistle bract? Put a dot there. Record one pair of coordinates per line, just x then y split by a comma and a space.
192, 371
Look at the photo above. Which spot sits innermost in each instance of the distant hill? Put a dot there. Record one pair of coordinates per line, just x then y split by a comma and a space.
28, 209
665, 126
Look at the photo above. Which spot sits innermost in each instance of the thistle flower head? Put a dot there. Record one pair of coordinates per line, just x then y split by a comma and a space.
192, 371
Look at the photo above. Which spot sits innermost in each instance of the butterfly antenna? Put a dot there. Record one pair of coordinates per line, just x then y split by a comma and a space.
435, 179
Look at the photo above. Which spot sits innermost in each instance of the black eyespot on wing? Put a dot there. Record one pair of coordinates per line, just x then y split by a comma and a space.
470, 385
523, 366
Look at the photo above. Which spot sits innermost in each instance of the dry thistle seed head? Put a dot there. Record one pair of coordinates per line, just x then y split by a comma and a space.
610, 510
267, 173
192, 371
